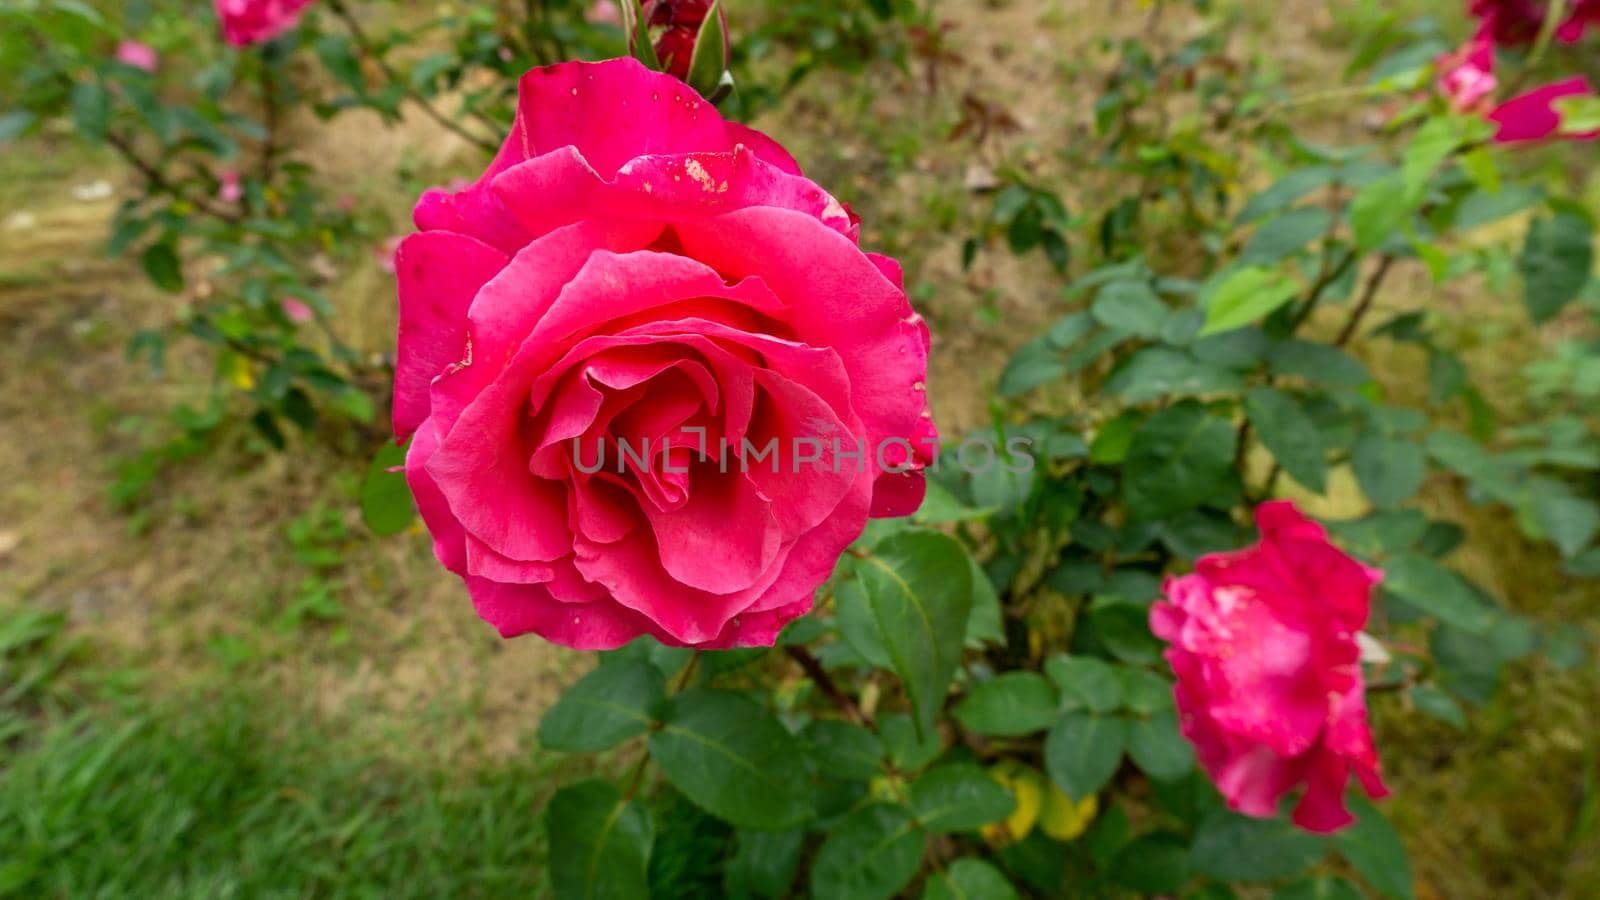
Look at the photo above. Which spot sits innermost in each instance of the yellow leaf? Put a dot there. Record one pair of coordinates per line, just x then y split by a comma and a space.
1064, 818
1029, 788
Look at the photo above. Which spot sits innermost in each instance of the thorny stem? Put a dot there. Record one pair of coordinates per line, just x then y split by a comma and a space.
159, 181
362, 42
825, 683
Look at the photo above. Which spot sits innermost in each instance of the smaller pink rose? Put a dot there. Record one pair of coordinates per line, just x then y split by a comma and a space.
385, 252
140, 56
604, 12
1466, 77
1269, 686
231, 189
1533, 116
246, 22
297, 310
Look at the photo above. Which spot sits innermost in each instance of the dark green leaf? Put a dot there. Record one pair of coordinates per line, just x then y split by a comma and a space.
1290, 436
733, 759
1440, 705
1086, 682
1320, 888
843, 750
1131, 307
1158, 372
1317, 363
959, 797
1155, 863
1158, 748
1374, 848
1286, 235
599, 844
91, 109
1556, 262
1438, 592
1035, 363
871, 855
919, 587
1390, 470
161, 264
908, 750
764, 863
605, 708
969, 879
1082, 752
1286, 191
1009, 705
1235, 847
1177, 459
386, 503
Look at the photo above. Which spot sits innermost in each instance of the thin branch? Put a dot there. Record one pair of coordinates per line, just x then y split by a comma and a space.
1385, 264
365, 45
824, 682
159, 181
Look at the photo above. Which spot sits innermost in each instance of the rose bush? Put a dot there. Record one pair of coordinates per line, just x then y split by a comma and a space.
666, 278
1269, 676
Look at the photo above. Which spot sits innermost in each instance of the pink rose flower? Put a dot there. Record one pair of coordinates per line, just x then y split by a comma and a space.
1263, 643
140, 56
634, 268
682, 20
231, 188
246, 22
604, 12
1466, 77
1533, 116
1516, 22
297, 310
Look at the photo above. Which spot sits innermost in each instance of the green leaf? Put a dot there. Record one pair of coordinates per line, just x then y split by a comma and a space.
1440, 705
1153, 864
959, 797
843, 750
1086, 682
1009, 705
1378, 211
908, 750
1036, 363
1286, 191
1158, 748
1317, 363
1373, 847
14, 124
599, 843
986, 622
1246, 295
871, 855
91, 109
1433, 144
1569, 522
1438, 592
1124, 628
969, 879
1290, 435
1235, 847
1177, 459
1157, 372
1286, 235
918, 585
1323, 887
1082, 752
386, 503
764, 863
1131, 307
1390, 470
605, 708
1556, 262
709, 62
161, 264
733, 759
1579, 114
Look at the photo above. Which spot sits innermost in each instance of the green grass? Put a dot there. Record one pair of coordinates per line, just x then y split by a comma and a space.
234, 795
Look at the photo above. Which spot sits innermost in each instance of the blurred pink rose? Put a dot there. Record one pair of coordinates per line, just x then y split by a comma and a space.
604, 12
297, 310
1533, 116
246, 22
633, 267
1515, 22
231, 189
1263, 643
140, 56
1466, 77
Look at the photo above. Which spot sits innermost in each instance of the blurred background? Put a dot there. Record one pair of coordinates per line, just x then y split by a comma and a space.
216, 680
